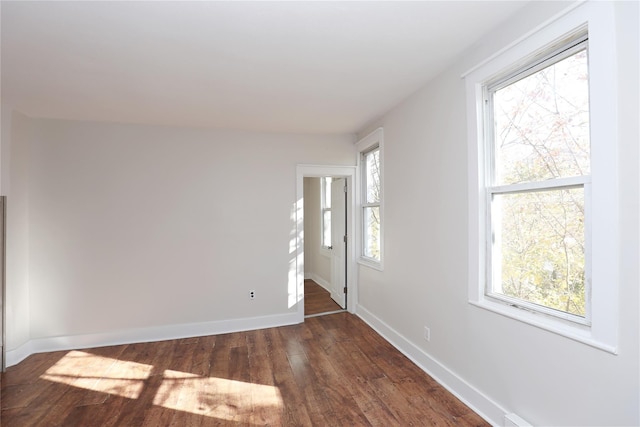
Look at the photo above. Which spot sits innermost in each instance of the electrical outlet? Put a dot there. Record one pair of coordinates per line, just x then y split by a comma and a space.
427, 334
252, 294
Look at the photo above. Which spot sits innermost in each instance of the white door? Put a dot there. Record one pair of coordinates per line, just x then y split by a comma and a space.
338, 241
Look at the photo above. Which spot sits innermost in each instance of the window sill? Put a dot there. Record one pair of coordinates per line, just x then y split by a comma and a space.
367, 262
573, 331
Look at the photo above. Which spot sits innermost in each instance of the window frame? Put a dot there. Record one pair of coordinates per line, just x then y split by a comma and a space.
323, 209
368, 144
367, 204
603, 248
557, 53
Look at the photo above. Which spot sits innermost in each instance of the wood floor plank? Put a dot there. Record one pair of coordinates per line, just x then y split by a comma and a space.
202, 356
294, 410
45, 403
332, 370
30, 369
343, 365
311, 387
219, 359
335, 365
20, 395
158, 416
19, 417
261, 375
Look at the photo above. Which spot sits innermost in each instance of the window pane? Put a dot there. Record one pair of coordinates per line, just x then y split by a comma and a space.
372, 176
542, 124
326, 228
372, 232
539, 248
326, 192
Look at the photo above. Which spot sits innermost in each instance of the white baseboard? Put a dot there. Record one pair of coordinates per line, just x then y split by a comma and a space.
17, 355
159, 333
472, 397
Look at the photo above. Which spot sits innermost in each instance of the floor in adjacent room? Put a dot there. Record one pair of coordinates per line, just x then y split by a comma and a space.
317, 300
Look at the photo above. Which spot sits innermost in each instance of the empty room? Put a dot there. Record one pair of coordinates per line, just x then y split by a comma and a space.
320, 213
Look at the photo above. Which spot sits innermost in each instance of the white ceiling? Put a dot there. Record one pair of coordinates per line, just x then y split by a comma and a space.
307, 67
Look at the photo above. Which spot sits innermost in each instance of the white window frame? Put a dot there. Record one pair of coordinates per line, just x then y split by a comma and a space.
567, 48
601, 331
325, 249
375, 140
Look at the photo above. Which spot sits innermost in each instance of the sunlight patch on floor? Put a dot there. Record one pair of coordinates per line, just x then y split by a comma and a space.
215, 397
212, 397
102, 374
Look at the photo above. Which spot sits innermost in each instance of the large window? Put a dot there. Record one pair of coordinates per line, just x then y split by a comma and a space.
371, 204
543, 188
371, 199
538, 152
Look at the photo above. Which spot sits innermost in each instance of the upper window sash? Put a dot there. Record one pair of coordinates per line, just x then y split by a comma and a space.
371, 179
566, 47
553, 61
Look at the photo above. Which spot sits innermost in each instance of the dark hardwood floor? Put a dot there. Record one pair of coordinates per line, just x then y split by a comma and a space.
329, 371
317, 299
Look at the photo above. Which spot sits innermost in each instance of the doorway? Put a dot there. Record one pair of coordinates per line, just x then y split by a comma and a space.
325, 230
327, 262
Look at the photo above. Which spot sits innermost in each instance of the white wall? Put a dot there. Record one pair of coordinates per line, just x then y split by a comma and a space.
15, 147
317, 265
134, 227
497, 364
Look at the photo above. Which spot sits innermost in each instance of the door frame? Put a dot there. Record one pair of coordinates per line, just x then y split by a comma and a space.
3, 282
319, 171
339, 272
